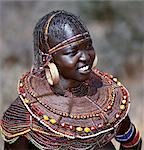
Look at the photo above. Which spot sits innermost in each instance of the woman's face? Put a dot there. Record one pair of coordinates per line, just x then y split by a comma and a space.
75, 62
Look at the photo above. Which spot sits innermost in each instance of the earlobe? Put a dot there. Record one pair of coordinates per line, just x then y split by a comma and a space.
95, 62
52, 74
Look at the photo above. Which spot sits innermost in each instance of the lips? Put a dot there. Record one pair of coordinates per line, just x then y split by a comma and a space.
84, 69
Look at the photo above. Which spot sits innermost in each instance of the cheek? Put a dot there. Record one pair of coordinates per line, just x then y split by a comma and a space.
92, 55
64, 66
68, 62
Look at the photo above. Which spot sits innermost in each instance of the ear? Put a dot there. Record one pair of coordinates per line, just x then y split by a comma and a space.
95, 62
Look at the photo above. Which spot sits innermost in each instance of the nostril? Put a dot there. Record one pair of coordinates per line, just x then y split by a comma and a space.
83, 56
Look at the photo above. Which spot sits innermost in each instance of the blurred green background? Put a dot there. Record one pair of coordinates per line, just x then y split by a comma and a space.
117, 30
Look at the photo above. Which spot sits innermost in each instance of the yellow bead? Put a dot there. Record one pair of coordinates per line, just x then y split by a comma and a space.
52, 121
79, 129
78, 117
117, 115
71, 116
115, 79
122, 107
86, 129
124, 101
124, 97
109, 107
75, 116
84, 117
118, 83
20, 84
111, 76
26, 101
45, 117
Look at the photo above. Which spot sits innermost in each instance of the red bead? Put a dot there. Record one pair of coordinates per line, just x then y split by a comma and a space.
22, 90
35, 109
40, 113
93, 128
124, 92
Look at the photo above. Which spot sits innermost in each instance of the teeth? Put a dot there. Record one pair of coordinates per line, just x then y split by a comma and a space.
84, 68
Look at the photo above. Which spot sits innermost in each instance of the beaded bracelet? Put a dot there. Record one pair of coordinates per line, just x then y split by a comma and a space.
127, 135
134, 142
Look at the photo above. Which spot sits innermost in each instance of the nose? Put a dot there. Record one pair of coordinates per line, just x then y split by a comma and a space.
84, 56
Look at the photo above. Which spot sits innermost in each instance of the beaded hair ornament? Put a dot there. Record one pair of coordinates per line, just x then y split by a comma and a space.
43, 32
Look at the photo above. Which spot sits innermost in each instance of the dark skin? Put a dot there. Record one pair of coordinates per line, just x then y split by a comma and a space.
69, 61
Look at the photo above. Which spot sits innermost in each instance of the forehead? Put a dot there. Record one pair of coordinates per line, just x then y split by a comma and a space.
64, 26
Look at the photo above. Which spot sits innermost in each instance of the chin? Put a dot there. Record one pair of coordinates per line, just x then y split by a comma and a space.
84, 77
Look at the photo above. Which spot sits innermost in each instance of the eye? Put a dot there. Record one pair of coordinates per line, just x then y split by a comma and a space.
71, 53
89, 45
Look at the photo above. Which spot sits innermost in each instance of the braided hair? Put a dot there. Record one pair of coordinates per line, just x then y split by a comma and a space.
50, 31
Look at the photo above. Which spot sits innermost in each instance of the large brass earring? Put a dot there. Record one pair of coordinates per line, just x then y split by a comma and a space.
52, 74
95, 62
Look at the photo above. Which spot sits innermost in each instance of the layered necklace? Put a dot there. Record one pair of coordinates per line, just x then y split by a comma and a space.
81, 90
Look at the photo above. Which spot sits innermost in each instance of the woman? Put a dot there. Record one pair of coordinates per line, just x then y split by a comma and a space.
64, 102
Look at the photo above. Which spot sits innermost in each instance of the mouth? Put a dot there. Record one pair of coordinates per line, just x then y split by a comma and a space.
84, 69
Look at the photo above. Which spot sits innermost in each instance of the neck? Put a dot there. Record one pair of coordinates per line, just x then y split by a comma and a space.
76, 87
67, 83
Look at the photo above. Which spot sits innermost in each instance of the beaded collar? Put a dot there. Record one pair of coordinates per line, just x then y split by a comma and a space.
73, 116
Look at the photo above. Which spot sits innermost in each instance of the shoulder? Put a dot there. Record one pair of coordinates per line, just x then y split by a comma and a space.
117, 98
21, 142
15, 121
15, 110
108, 80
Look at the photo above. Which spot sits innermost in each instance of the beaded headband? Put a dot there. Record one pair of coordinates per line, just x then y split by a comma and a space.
77, 39
71, 41
47, 28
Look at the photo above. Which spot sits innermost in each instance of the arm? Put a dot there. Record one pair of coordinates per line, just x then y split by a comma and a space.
21, 144
128, 136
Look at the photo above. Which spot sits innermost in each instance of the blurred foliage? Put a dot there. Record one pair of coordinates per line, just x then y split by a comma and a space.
124, 38
97, 10
121, 35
